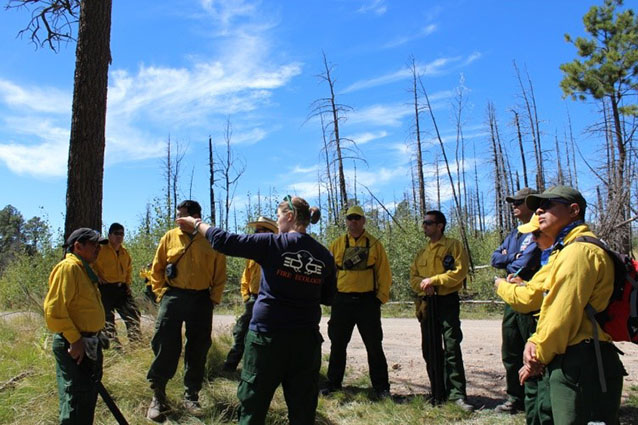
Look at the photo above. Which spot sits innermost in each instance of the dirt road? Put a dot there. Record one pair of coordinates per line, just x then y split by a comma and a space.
402, 344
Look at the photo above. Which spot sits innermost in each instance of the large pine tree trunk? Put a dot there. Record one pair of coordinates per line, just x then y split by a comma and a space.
86, 147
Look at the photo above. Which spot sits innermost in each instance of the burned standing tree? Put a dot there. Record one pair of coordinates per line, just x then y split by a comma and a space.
418, 148
172, 169
211, 180
532, 115
519, 136
459, 214
337, 112
459, 103
56, 19
498, 172
332, 196
231, 170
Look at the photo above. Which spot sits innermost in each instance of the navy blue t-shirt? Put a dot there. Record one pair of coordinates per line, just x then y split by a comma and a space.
298, 274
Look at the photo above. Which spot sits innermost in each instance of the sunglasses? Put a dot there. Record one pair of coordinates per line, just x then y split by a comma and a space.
288, 199
262, 230
429, 222
518, 202
353, 217
118, 233
546, 204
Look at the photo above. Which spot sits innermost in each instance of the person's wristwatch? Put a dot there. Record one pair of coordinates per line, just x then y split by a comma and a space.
196, 228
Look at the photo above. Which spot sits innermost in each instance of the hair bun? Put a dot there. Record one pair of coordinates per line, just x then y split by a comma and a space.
315, 214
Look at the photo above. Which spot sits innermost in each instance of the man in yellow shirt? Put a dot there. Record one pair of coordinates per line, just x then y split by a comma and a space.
188, 277
113, 268
438, 271
363, 284
73, 312
578, 274
249, 287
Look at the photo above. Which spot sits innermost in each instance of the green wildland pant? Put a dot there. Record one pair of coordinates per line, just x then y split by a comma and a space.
453, 370
516, 328
291, 358
77, 389
538, 405
575, 389
364, 311
195, 309
239, 333
117, 298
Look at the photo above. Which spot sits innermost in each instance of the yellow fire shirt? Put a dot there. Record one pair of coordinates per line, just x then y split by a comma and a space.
429, 263
363, 280
201, 267
73, 303
113, 267
250, 279
581, 273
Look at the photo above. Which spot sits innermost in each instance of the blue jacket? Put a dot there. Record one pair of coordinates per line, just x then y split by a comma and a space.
298, 274
518, 243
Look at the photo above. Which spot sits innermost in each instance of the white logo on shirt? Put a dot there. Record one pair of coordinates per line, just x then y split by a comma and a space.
303, 262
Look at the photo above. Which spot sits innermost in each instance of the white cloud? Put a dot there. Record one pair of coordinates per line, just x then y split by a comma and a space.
435, 67
298, 169
147, 104
50, 157
415, 36
363, 138
227, 12
378, 7
35, 99
381, 115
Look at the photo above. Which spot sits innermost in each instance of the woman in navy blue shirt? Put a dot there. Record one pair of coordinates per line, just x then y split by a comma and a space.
283, 344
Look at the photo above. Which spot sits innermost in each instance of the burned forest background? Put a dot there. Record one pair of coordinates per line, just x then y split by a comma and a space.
466, 177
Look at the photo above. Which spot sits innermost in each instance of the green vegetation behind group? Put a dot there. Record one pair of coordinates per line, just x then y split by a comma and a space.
24, 277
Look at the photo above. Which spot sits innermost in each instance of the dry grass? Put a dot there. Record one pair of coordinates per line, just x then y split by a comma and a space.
31, 397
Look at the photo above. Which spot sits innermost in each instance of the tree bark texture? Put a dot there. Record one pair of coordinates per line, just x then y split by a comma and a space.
86, 147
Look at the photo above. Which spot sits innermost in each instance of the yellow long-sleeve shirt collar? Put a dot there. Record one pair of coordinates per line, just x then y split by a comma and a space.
580, 273
73, 303
429, 264
201, 267
363, 280
114, 267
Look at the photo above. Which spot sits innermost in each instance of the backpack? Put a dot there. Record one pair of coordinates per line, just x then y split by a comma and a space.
620, 318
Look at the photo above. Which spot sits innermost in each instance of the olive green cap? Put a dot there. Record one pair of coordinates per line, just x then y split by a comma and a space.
556, 192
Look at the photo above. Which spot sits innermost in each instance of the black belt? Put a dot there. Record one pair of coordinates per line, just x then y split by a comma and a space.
357, 295
84, 334
188, 291
114, 284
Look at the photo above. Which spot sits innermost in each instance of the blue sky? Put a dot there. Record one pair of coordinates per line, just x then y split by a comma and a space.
182, 68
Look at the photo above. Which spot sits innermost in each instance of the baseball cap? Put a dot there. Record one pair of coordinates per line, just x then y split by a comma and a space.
355, 210
531, 226
562, 192
85, 234
521, 194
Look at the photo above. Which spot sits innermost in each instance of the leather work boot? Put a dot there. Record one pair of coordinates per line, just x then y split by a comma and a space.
463, 404
509, 406
191, 403
158, 408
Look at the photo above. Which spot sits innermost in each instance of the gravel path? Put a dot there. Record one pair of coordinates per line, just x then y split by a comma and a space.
402, 345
